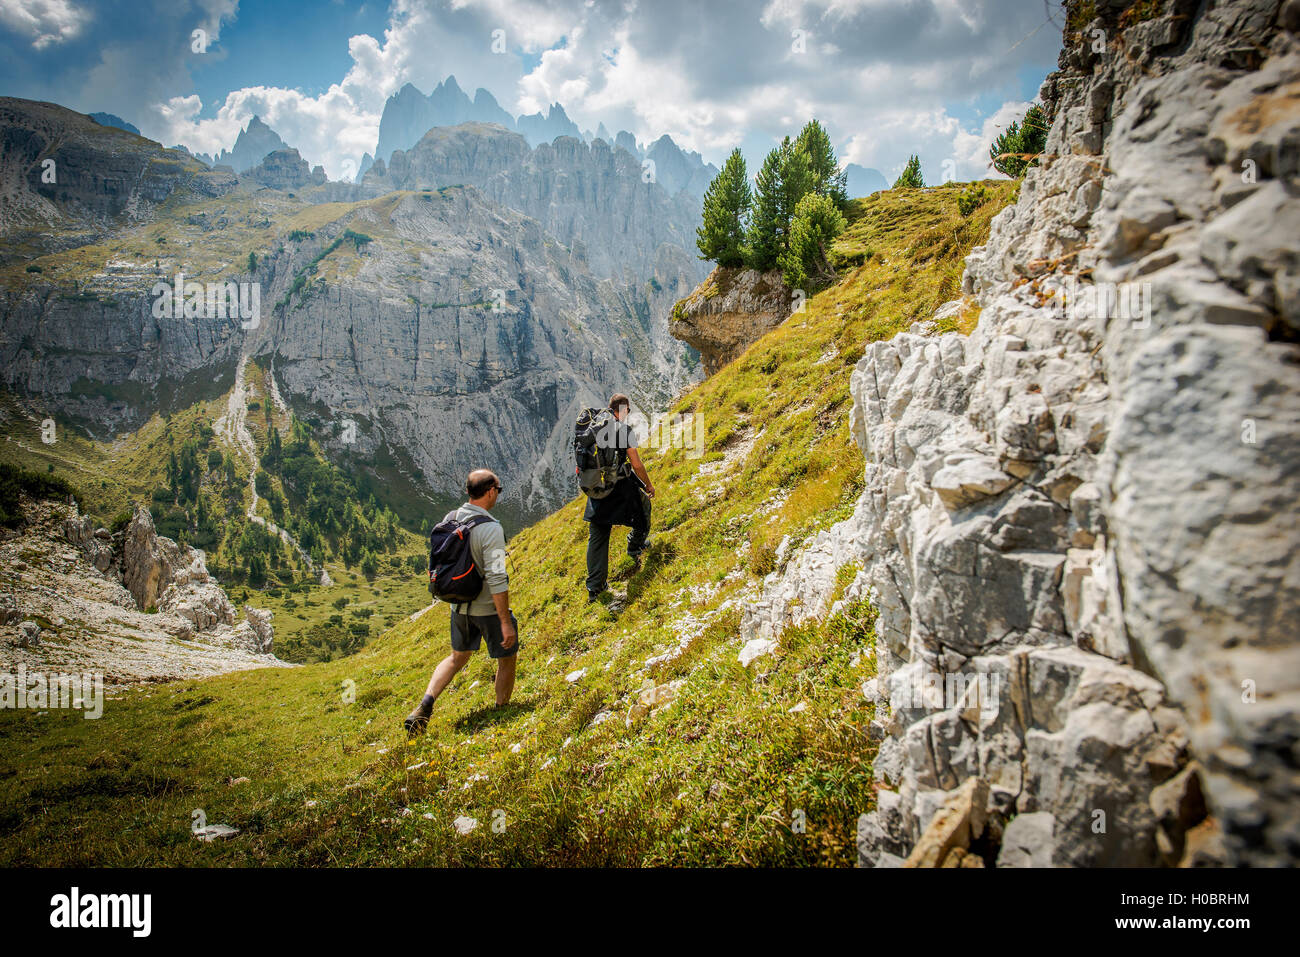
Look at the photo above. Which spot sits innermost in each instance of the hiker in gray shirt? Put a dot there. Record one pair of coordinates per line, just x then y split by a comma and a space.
488, 615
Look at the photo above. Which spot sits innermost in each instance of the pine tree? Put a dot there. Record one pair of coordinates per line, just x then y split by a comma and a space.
786, 177
172, 471
814, 227
727, 203
828, 178
766, 222
911, 177
1017, 149
798, 181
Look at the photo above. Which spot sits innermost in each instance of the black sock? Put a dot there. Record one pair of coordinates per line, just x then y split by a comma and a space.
426, 705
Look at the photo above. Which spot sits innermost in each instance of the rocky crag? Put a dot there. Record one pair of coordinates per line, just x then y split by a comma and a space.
66, 180
252, 145
1079, 525
409, 115
133, 605
285, 170
730, 311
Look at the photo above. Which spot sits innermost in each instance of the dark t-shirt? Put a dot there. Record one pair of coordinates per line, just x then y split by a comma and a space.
617, 435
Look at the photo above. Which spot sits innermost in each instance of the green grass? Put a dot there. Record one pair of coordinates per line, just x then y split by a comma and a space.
726, 774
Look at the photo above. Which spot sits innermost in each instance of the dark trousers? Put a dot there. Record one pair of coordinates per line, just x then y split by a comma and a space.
598, 545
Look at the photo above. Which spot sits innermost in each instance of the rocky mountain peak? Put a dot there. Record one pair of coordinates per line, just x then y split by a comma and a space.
252, 144
284, 169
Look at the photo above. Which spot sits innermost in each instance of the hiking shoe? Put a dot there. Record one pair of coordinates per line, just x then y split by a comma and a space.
416, 722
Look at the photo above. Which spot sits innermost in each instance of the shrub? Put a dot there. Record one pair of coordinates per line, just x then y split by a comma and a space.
971, 198
15, 481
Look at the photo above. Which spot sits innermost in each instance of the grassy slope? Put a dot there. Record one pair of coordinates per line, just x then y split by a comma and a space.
725, 774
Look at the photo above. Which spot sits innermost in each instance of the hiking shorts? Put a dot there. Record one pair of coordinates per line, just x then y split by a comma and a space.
468, 631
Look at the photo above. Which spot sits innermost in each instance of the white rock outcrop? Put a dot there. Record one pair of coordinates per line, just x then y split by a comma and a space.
1087, 510
47, 572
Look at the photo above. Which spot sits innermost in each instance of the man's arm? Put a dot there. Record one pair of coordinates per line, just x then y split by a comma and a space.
640, 471
498, 583
502, 600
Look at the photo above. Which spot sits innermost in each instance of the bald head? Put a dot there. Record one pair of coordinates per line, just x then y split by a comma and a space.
481, 486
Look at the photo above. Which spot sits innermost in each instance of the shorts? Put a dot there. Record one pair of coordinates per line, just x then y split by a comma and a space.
467, 632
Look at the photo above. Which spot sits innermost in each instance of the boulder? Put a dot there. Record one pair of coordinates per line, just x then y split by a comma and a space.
29, 635
1027, 841
959, 820
729, 311
255, 632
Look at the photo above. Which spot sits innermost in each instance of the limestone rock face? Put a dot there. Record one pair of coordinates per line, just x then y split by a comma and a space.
462, 331
174, 578
1086, 511
730, 311
102, 177
483, 349
150, 561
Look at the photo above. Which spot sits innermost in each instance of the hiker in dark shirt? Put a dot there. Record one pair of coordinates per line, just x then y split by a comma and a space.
628, 504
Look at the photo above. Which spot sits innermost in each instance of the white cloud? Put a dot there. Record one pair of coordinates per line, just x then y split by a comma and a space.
971, 150
887, 79
45, 22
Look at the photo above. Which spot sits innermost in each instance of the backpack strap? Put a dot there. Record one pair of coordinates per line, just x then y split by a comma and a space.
471, 523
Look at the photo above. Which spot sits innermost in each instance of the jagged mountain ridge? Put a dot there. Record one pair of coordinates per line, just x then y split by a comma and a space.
590, 197
409, 115
252, 144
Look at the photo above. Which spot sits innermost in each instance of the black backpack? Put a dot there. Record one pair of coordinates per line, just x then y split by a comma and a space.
600, 465
453, 575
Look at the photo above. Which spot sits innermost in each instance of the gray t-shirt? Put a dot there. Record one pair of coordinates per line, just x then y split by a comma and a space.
487, 543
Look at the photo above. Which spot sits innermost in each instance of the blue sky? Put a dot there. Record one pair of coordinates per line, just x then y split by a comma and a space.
255, 52
886, 77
